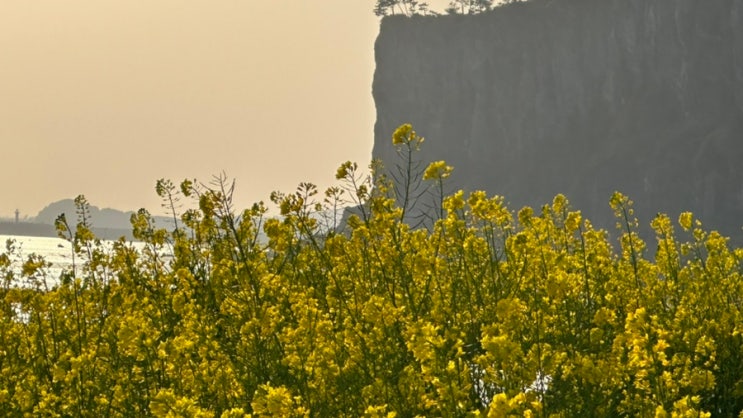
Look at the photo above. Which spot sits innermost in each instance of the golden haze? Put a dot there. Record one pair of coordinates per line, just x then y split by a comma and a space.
103, 98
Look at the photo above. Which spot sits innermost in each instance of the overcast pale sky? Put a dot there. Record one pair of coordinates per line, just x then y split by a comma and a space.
104, 97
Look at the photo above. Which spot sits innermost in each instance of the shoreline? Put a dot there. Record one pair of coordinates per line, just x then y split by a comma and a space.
31, 229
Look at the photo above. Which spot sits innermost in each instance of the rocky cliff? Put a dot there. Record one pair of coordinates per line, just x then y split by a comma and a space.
580, 97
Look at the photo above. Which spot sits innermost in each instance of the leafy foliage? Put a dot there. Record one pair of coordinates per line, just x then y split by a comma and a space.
402, 7
468, 7
486, 313
416, 7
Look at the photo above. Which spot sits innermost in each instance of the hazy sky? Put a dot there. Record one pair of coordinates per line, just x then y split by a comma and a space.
104, 97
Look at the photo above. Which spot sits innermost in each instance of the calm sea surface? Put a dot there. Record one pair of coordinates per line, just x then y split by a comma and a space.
54, 250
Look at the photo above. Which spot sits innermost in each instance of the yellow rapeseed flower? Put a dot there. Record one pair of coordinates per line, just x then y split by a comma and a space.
403, 134
437, 170
685, 220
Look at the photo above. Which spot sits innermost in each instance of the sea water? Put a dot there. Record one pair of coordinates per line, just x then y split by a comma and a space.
56, 251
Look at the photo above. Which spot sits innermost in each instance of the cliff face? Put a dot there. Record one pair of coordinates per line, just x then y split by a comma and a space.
579, 97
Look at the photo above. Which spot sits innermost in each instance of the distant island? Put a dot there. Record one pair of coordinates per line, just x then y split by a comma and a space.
107, 223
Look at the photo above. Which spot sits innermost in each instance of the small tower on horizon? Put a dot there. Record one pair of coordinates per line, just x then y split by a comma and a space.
17, 213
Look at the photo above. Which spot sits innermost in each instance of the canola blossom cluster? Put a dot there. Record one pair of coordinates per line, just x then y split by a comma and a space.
487, 312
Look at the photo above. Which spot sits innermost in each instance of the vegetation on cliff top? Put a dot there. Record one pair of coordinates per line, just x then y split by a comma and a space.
416, 7
484, 313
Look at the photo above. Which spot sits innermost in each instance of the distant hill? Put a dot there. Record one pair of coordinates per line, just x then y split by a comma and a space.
107, 223
101, 218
